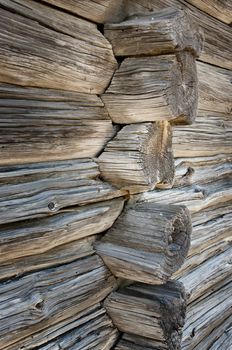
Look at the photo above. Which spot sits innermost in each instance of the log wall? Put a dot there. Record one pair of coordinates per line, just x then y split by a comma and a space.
115, 175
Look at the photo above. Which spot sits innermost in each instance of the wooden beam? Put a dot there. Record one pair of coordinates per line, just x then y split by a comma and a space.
157, 311
38, 190
167, 31
65, 53
48, 297
139, 157
154, 89
147, 243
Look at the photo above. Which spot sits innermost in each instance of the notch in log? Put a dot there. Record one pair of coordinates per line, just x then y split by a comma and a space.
148, 89
147, 243
154, 312
167, 31
139, 157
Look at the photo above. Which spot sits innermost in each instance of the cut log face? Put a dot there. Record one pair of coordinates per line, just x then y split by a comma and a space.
65, 53
139, 157
152, 89
147, 243
36, 301
166, 31
154, 312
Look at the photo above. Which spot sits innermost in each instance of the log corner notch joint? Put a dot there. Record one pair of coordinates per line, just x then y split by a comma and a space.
163, 85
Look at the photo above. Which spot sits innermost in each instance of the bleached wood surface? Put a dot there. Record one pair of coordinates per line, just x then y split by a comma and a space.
139, 157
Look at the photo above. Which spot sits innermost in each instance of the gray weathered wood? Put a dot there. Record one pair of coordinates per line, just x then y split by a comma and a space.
147, 243
217, 49
41, 243
36, 301
135, 342
155, 312
154, 89
36, 190
45, 47
221, 10
46, 124
222, 336
139, 157
166, 31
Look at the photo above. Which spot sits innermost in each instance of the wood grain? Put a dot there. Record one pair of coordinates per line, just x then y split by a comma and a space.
65, 53
154, 89
167, 31
34, 302
157, 311
135, 342
147, 243
139, 157
222, 336
37, 190
221, 10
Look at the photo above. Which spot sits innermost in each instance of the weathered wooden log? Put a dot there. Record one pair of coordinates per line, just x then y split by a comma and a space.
217, 49
135, 342
147, 243
166, 31
206, 315
37, 190
155, 312
65, 53
97, 332
46, 124
42, 243
215, 88
200, 170
101, 11
139, 157
154, 89
34, 302
222, 336
221, 10
196, 140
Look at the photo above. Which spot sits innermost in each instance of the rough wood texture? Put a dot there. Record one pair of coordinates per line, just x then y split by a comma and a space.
37, 190
204, 316
41, 243
220, 9
95, 332
154, 89
46, 124
217, 48
135, 342
222, 338
32, 303
211, 135
99, 11
215, 88
139, 157
147, 243
155, 312
166, 31
66, 52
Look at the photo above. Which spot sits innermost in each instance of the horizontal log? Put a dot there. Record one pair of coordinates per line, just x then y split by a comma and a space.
201, 170
45, 242
97, 333
196, 140
34, 302
155, 34
221, 10
66, 53
217, 49
135, 342
37, 190
215, 88
147, 243
157, 311
152, 89
46, 124
139, 157
204, 316
221, 337
101, 11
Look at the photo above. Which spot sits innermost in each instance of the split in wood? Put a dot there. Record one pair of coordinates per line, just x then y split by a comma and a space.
147, 243
148, 89
154, 312
139, 157
167, 31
